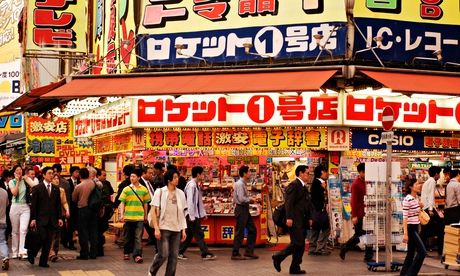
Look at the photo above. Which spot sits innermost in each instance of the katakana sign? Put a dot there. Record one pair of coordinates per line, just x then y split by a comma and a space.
409, 29
238, 110
217, 30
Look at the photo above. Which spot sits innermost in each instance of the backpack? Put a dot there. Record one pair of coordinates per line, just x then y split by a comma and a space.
96, 199
279, 216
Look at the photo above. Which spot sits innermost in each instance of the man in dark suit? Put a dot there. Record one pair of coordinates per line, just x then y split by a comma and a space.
298, 205
147, 176
45, 216
71, 225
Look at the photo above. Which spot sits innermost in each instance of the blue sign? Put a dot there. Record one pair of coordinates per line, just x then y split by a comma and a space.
243, 44
405, 41
362, 139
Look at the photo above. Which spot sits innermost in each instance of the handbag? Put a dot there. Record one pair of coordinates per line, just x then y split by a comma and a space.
424, 217
158, 212
279, 216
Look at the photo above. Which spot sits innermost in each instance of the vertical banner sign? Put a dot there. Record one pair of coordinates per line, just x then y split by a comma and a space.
126, 33
409, 29
10, 15
98, 35
179, 31
58, 25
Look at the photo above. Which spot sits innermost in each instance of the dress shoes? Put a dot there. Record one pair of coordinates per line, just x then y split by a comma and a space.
31, 259
276, 263
251, 256
298, 272
44, 265
343, 251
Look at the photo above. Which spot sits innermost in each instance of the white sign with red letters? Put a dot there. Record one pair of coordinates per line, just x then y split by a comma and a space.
290, 109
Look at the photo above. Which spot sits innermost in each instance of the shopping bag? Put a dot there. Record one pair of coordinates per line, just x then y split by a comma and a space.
32, 239
424, 217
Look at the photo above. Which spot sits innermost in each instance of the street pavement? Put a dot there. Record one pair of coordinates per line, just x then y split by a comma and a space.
113, 264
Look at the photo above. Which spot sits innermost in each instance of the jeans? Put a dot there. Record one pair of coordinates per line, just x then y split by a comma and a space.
3, 244
20, 216
133, 238
168, 248
244, 220
413, 262
87, 231
434, 228
353, 241
194, 231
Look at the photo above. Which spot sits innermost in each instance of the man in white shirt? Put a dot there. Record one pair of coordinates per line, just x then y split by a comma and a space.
436, 225
145, 180
196, 213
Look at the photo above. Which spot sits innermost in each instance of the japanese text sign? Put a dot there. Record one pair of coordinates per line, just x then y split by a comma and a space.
118, 142
113, 36
272, 138
413, 113
287, 109
409, 29
58, 25
10, 14
10, 84
41, 127
216, 29
110, 117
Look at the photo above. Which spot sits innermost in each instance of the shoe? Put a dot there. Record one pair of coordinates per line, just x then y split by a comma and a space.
138, 260
14, 256
238, 258
54, 258
31, 259
276, 263
209, 257
343, 251
92, 257
298, 272
126, 257
5, 264
44, 265
82, 258
251, 256
182, 257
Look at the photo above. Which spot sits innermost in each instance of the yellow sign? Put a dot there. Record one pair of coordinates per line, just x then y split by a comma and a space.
205, 228
10, 15
189, 16
58, 25
426, 11
227, 233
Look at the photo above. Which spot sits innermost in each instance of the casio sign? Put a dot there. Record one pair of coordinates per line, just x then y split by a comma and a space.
374, 139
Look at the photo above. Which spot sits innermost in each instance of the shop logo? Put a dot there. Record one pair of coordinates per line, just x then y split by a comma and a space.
407, 141
339, 136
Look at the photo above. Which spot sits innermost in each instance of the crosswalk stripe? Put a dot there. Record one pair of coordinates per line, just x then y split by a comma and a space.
85, 273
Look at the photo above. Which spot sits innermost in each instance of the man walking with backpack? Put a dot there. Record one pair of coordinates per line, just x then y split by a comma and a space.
133, 210
87, 218
196, 212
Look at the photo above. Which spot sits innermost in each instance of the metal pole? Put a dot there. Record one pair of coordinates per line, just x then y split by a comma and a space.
388, 246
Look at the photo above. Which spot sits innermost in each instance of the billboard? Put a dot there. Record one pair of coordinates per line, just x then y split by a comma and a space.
58, 25
409, 29
177, 32
10, 14
113, 37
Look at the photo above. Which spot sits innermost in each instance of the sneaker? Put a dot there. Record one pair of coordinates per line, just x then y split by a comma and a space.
209, 257
5, 264
182, 257
238, 257
251, 256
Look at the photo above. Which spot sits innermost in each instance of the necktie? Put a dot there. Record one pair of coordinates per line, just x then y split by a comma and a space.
49, 189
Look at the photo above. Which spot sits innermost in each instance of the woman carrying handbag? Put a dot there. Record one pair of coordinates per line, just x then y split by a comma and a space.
416, 251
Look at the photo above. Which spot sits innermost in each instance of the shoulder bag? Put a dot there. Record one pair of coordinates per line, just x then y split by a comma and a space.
424, 217
158, 212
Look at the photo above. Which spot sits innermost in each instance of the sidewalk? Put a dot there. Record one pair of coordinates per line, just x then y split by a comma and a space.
113, 264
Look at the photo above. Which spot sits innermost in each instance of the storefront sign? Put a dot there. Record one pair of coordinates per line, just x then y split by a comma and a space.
409, 30
312, 108
113, 143
11, 124
49, 139
362, 139
58, 25
338, 139
217, 30
110, 117
237, 138
138, 139
410, 113
205, 229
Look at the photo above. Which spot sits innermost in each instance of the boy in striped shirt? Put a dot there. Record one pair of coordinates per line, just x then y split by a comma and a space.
134, 200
